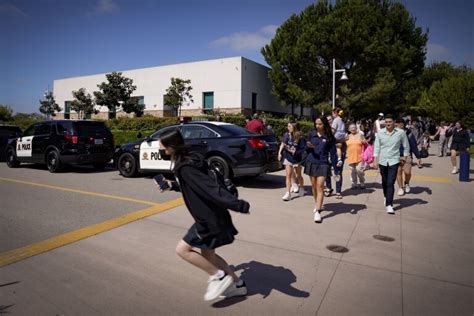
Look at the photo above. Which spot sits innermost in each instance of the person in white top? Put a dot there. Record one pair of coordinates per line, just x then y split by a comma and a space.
379, 123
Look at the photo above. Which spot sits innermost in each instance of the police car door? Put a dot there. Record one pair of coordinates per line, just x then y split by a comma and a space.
41, 141
24, 144
150, 158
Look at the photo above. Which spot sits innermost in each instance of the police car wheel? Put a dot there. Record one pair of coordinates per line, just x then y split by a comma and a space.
220, 164
127, 165
52, 161
12, 162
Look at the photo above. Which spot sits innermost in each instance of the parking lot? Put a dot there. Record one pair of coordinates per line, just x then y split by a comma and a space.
88, 242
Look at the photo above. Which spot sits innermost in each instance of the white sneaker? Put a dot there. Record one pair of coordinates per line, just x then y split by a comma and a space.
317, 216
287, 196
234, 290
301, 192
390, 210
294, 188
401, 192
455, 170
407, 188
216, 286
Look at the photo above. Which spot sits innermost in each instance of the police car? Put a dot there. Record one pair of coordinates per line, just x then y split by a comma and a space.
233, 150
62, 142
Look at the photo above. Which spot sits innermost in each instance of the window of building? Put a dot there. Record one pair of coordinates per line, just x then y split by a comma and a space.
208, 101
254, 103
67, 110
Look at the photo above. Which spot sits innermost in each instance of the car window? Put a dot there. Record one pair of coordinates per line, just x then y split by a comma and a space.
64, 128
156, 135
236, 130
30, 131
91, 128
43, 129
190, 132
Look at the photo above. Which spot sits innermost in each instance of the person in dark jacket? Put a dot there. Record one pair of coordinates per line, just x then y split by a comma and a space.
291, 150
460, 142
321, 144
208, 204
404, 169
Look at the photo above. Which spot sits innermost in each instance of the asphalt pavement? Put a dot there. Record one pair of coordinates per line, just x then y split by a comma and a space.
422, 265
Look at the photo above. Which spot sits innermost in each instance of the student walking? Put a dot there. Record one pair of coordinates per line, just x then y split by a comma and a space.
460, 143
291, 150
355, 145
387, 157
404, 169
443, 140
208, 204
320, 145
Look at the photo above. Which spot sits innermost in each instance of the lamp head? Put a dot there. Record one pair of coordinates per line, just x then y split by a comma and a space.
344, 76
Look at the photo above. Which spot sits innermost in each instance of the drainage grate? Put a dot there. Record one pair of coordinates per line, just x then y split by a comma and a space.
383, 238
337, 248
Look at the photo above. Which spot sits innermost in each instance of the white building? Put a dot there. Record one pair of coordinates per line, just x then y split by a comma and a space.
230, 85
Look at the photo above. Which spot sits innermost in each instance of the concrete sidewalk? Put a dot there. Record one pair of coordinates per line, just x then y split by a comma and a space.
280, 252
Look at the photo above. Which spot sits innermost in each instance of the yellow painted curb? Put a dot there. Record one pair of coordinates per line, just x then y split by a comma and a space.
22, 253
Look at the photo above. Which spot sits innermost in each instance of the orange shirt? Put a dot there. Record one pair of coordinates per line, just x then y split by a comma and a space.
354, 149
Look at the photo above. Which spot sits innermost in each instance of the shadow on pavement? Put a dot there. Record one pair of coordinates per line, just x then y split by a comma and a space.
4, 308
262, 278
373, 185
350, 191
418, 190
404, 203
268, 181
69, 168
341, 208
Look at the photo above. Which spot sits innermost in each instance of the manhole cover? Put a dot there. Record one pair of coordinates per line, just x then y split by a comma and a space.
337, 248
383, 238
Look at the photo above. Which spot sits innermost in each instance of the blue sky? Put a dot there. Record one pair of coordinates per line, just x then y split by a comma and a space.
43, 40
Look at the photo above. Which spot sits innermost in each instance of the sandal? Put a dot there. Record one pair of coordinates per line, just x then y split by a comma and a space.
338, 196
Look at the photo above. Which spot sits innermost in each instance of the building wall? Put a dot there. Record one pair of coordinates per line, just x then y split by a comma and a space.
232, 80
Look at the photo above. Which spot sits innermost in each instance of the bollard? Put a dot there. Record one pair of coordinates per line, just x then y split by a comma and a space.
464, 161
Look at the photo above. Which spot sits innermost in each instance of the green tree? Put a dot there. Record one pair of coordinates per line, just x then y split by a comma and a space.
116, 94
450, 99
49, 107
178, 94
377, 42
6, 113
83, 103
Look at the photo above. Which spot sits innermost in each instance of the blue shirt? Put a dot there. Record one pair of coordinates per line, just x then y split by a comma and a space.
322, 149
387, 146
300, 147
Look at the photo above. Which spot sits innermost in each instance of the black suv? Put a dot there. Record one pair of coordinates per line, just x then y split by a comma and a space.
7, 132
62, 142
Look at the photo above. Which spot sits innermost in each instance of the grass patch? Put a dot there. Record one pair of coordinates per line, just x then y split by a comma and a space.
123, 137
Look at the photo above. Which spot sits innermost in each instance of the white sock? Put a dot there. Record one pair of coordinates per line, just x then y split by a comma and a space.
219, 274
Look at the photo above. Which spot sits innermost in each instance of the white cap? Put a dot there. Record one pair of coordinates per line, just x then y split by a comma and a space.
380, 114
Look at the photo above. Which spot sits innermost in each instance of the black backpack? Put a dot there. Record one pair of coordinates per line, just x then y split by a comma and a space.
222, 181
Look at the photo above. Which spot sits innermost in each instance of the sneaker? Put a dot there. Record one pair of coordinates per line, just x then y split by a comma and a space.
216, 286
327, 192
401, 192
390, 210
235, 290
301, 192
287, 196
338, 196
317, 216
455, 170
294, 188
407, 188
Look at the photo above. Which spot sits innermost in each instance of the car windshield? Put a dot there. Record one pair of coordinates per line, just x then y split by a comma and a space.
235, 130
90, 128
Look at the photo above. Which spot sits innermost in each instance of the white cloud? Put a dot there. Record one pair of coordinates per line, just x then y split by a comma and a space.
105, 6
437, 51
11, 10
243, 41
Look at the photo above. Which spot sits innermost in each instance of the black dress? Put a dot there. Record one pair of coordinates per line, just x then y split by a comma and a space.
208, 204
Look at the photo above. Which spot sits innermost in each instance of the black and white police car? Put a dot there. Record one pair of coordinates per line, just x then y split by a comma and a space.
233, 150
62, 142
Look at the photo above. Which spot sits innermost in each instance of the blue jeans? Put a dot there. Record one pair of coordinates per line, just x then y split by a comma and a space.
389, 176
337, 171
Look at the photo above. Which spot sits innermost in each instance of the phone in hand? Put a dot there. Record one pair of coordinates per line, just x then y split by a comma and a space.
161, 182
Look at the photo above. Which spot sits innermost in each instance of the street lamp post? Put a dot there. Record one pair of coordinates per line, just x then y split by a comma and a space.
343, 77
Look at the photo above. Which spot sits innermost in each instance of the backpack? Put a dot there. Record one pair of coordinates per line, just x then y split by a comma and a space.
222, 181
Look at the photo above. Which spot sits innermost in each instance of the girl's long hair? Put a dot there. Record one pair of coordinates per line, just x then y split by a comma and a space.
327, 127
296, 134
173, 139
